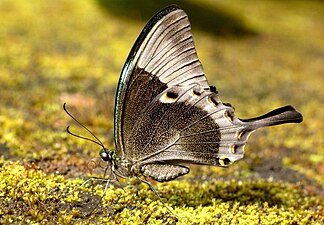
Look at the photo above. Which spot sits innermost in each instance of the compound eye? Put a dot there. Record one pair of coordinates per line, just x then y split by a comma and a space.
105, 155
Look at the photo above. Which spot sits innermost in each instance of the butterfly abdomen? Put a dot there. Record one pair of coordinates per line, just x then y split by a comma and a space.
164, 172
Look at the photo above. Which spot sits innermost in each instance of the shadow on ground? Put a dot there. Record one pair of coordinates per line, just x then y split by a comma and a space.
216, 21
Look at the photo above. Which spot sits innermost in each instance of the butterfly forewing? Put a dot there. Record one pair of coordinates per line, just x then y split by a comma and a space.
163, 55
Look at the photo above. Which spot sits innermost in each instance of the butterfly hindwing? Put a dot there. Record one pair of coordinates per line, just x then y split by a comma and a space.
182, 125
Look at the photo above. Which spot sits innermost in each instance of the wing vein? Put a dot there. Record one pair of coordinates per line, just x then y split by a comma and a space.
202, 118
210, 131
163, 35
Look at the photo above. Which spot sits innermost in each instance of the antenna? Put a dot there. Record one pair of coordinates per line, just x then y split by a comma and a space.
75, 135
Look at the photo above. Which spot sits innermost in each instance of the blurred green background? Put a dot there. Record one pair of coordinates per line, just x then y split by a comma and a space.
259, 54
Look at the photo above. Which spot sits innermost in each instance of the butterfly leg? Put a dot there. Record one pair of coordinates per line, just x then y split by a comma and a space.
107, 180
104, 192
156, 193
117, 174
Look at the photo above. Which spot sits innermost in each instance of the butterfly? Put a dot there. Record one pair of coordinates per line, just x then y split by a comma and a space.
167, 116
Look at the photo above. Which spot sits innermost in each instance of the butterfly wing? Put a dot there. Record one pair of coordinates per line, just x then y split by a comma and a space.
166, 114
163, 55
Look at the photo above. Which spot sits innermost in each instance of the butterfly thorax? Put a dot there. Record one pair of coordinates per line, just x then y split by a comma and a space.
121, 167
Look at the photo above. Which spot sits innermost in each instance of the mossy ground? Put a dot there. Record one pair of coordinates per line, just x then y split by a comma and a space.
263, 54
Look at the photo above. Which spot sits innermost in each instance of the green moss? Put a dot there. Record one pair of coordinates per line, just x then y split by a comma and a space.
247, 202
30, 194
46, 198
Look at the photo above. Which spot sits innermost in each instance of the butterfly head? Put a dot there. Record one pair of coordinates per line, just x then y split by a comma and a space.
107, 155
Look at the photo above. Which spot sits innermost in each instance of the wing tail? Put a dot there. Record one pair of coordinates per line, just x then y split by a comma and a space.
285, 114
